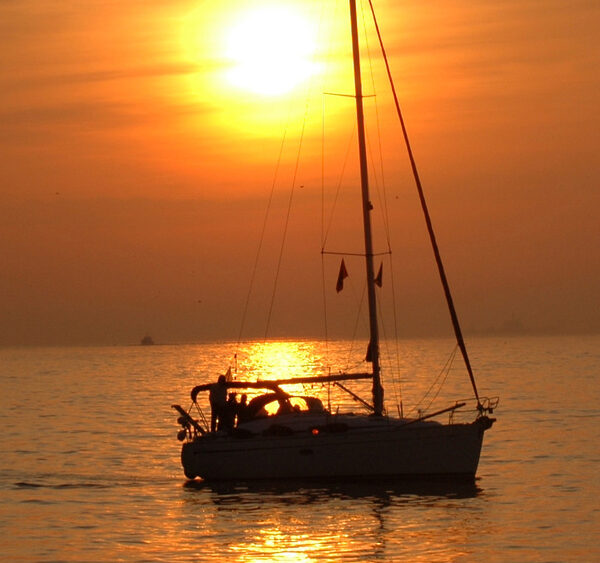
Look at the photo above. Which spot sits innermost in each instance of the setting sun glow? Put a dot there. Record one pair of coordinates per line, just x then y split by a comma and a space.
270, 50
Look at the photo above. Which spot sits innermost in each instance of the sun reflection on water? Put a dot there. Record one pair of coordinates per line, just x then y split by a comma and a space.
280, 546
333, 522
281, 359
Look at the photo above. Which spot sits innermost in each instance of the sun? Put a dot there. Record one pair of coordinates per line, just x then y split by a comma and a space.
270, 50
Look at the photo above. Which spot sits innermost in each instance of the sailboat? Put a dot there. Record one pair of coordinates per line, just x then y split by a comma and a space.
303, 439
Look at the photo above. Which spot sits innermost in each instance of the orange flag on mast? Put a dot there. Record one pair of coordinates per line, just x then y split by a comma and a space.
379, 277
341, 277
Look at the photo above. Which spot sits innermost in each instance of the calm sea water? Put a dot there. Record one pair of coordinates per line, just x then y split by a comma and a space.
90, 467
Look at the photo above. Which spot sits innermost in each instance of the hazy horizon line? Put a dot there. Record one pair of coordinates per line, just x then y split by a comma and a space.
229, 341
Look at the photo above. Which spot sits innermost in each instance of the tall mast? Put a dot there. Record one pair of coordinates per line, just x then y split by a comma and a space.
367, 207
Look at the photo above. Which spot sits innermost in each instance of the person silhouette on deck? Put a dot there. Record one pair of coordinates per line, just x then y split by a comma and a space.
242, 409
228, 419
217, 397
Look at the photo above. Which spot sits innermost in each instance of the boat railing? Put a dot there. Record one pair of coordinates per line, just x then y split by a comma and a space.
489, 403
190, 427
461, 411
420, 418
482, 406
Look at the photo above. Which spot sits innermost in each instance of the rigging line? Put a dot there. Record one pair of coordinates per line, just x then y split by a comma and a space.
381, 189
323, 276
395, 317
359, 315
327, 227
359, 301
396, 380
346, 95
441, 384
386, 215
263, 231
338, 187
438, 258
381, 193
280, 259
294, 178
287, 218
445, 368
329, 41
384, 358
325, 317
322, 186
360, 254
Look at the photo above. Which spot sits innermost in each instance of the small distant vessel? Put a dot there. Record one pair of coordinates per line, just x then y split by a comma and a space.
147, 341
303, 439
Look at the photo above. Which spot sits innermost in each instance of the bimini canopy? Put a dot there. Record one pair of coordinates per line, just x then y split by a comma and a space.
274, 384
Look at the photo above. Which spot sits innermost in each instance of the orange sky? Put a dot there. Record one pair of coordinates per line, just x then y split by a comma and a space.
135, 174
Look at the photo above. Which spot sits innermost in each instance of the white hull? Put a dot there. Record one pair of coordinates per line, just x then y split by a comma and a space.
380, 448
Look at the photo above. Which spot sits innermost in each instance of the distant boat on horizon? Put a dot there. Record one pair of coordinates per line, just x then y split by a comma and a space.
147, 341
